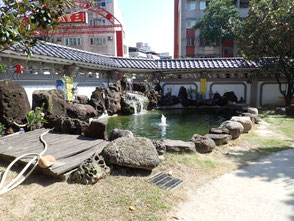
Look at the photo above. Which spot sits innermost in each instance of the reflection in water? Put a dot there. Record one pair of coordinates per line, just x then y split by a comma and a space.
182, 123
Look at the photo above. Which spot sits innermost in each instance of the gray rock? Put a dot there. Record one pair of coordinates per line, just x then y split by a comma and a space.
220, 139
14, 103
245, 121
53, 99
153, 97
117, 133
97, 129
235, 128
160, 147
66, 124
219, 131
252, 110
179, 146
106, 99
136, 152
83, 99
81, 111
203, 144
254, 118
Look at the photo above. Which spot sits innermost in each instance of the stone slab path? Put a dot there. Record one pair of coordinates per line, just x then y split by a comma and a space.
263, 190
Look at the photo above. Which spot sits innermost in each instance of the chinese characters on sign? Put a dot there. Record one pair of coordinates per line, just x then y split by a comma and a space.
203, 86
78, 17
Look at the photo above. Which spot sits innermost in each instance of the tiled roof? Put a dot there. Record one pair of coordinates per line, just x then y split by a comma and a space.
205, 63
119, 63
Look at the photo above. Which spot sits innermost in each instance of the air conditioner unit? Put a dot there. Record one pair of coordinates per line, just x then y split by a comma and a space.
110, 38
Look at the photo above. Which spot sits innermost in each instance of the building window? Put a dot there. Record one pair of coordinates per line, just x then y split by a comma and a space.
191, 4
204, 42
100, 41
244, 3
204, 4
100, 3
73, 42
190, 41
191, 23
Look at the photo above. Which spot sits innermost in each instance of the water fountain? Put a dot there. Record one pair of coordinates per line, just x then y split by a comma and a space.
137, 102
163, 121
163, 125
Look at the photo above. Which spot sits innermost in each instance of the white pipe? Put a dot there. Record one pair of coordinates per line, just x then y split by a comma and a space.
15, 182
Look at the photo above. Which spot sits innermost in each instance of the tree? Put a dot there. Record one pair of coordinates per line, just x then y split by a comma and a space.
219, 21
20, 19
267, 36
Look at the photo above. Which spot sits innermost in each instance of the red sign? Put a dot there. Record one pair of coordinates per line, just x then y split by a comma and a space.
77, 17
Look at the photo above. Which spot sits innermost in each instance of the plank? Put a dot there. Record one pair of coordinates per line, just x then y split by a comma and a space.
67, 164
18, 140
69, 150
74, 149
33, 147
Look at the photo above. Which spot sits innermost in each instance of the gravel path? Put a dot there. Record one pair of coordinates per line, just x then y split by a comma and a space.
263, 190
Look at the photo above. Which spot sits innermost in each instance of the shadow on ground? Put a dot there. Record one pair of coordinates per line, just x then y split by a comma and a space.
278, 167
35, 177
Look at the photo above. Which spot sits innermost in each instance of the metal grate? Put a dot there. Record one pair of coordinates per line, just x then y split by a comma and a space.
165, 181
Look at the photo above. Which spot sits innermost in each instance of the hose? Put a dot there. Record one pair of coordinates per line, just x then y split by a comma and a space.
35, 160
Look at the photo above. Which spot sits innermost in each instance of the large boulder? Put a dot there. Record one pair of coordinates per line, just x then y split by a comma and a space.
220, 139
53, 100
178, 146
219, 131
169, 100
98, 99
117, 133
80, 111
230, 96
245, 121
107, 99
14, 103
83, 99
136, 152
113, 98
66, 124
235, 128
203, 144
140, 87
153, 97
160, 147
252, 110
183, 95
254, 118
218, 100
97, 129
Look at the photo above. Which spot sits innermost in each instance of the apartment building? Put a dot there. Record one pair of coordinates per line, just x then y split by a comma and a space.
94, 26
187, 41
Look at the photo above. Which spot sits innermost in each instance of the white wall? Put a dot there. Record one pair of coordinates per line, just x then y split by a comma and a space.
175, 88
237, 87
270, 94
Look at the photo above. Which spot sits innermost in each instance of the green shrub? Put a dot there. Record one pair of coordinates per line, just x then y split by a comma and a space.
2, 129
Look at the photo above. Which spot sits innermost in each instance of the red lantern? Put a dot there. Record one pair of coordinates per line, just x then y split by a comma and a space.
18, 69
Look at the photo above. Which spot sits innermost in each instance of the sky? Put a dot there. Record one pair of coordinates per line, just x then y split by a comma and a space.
149, 21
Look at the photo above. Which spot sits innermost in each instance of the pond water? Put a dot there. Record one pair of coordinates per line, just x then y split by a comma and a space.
181, 123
